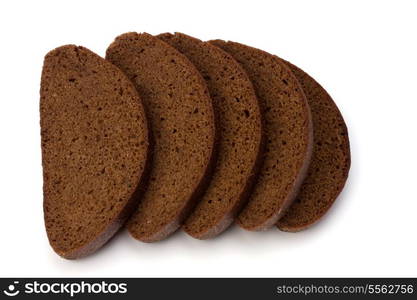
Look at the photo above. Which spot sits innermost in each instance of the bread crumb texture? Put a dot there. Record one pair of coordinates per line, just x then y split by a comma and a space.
182, 123
288, 134
239, 139
330, 162
94, 149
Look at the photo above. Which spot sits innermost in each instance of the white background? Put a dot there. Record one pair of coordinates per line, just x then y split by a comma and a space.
363, 52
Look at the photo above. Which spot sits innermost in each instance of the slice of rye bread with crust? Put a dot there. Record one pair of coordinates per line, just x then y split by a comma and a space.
239, 138
183, 127
288, 134
330, 163
94, 149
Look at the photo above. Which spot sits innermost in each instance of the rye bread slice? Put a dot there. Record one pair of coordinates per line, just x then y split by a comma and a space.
330, 162
288, 134
239, 139
182, 124
94, 149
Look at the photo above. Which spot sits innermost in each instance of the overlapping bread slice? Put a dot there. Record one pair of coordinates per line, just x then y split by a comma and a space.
288, 134
239, 139
94, 149
182, 124
330, 162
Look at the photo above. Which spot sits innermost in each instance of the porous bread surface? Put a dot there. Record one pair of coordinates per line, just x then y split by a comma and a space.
239, 138
94, 149
288, 135
182, 124
330, 161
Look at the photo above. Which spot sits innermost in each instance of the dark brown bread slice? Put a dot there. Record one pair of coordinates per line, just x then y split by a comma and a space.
288, 134
239, 139
94, 149
330, 162
182, 123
